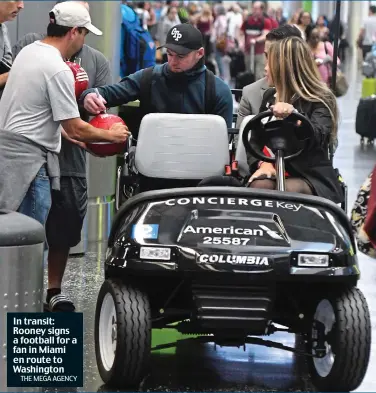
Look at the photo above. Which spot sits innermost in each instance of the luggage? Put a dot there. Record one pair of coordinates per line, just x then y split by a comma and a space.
365, 124
368, 87
237, 64
138, 49
243, 79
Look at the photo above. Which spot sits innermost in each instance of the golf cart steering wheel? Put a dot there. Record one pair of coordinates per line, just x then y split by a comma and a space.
277, 135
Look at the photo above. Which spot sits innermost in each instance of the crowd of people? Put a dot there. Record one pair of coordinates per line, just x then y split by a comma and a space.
235, 37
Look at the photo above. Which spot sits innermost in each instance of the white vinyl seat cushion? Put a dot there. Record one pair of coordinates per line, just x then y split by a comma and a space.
182, 146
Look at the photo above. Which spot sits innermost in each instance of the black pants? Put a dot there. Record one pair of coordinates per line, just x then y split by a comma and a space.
68, 210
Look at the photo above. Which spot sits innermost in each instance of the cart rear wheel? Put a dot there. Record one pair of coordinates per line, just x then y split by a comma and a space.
345, 317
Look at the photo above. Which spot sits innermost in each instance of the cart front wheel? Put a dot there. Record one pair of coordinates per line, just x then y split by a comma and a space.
122, 334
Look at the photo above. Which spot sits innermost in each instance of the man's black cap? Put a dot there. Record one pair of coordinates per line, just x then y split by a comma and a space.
183, 39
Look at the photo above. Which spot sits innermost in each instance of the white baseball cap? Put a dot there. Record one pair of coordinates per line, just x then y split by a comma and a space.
73, 14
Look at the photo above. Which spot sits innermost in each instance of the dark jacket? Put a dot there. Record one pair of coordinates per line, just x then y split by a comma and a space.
314, 164
171, 92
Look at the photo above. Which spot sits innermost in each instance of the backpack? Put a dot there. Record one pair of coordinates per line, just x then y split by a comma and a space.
134, 119
138, 49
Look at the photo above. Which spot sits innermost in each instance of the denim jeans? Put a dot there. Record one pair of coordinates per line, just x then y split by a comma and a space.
37, 201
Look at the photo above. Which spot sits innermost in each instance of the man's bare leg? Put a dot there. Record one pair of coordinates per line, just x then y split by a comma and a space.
57, 262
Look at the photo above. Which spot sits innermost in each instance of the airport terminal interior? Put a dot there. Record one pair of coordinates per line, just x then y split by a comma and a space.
196, 366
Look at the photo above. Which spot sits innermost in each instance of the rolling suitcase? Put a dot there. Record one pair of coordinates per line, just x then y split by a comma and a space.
365, 124
368, 87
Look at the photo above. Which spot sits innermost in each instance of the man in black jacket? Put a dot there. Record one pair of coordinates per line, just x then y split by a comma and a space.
178, 86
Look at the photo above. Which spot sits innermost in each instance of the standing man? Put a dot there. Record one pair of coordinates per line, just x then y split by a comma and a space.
367, 35
255, 28
8, 12
69, 205
39, 98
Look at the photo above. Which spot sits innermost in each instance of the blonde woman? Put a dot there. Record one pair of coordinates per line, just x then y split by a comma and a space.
298, 87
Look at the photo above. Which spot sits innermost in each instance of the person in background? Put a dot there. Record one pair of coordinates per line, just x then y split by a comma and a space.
235, 22
271, 15
279, 17
153, 19
367, 34
305, 24
323, 54
157, 7
204, 22
255, 28
164, 26
165, 8
295, 17
9, 11
69, 204
219, 39
321, 26
143, 15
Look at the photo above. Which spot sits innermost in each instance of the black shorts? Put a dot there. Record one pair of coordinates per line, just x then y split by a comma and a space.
68, 210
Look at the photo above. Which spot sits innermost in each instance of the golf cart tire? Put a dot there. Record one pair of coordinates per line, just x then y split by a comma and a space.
352, 337
133, 335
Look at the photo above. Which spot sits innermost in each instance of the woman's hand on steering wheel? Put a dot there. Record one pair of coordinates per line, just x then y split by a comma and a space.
282, 109
266, 170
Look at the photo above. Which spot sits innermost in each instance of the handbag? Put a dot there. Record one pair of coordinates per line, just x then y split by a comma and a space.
361, 218
341, 82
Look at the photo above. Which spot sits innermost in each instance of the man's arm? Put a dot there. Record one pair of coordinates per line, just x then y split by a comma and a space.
224, 103
3, 79
78, 130
267, 27
103, 77
60, 90
119, 93
7, 55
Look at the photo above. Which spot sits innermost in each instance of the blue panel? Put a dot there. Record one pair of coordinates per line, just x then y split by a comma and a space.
146, 231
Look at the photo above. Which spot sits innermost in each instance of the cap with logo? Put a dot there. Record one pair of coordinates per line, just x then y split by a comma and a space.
183, 39
73, 14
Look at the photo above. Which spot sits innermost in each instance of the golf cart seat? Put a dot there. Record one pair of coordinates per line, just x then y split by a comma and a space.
243, 167
179, 150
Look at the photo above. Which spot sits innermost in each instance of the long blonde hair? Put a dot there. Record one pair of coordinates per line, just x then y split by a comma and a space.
295, 75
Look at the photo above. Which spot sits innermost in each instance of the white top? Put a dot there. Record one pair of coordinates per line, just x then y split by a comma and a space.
39, 94
369, 30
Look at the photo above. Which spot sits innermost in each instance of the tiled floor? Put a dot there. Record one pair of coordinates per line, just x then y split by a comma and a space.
200, 367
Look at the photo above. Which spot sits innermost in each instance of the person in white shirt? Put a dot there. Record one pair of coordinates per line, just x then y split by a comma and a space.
38, 106
367, 35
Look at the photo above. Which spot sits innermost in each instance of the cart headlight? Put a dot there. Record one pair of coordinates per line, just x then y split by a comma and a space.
155, 253
313, 260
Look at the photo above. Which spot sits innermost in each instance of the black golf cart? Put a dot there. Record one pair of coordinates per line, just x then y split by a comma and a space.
229, 264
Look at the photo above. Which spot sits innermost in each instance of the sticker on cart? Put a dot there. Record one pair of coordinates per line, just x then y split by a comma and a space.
145, 231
